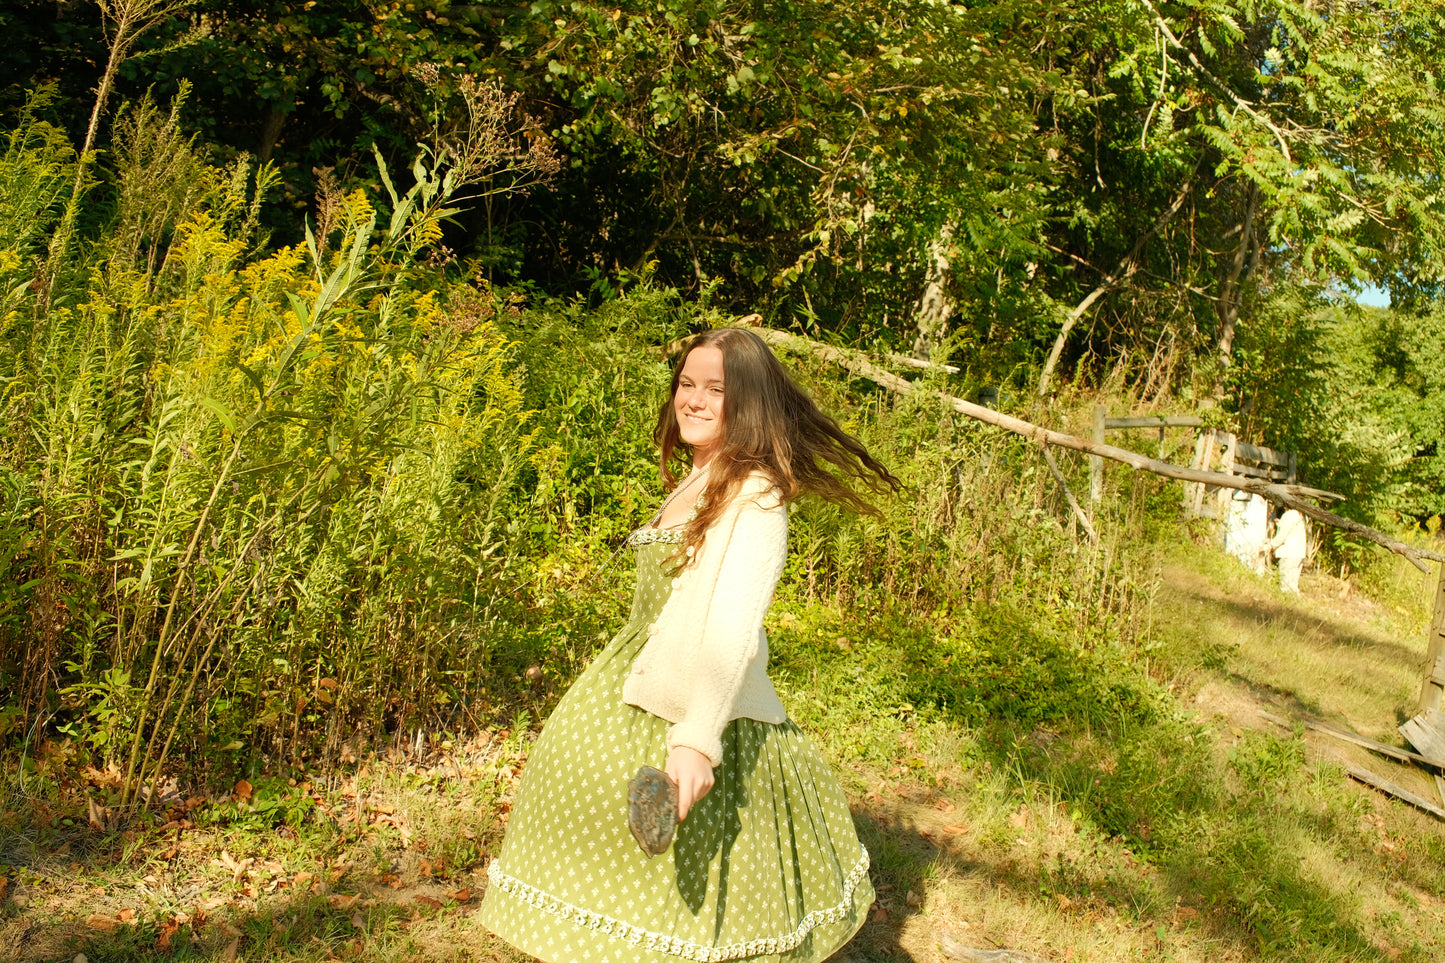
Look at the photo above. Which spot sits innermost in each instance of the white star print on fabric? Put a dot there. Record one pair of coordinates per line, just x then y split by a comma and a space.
767, 866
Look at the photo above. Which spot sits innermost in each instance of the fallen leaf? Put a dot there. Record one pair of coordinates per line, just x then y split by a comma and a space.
428, 902
243, 790
341, 901
1186, 913
880, 915
168, 929
228, 955
303, 880
461, 895
956, 828
913, 899
125, 915
392, 880
357, 921
4, 886
944, 806
96, 814
1063, 901
106, 924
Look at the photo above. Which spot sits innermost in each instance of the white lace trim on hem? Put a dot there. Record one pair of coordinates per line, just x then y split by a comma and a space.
672, 945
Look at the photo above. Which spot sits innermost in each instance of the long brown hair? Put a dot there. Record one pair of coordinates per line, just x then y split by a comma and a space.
772, 427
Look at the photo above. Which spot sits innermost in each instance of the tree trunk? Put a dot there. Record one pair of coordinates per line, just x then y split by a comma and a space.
1246, 258
934, 307
1122, 273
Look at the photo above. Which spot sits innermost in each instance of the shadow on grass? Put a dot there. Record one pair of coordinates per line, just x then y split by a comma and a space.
1326, 631
1185, 849
1238, 887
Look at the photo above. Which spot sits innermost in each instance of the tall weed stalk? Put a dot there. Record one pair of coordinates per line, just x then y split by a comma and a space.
253, 498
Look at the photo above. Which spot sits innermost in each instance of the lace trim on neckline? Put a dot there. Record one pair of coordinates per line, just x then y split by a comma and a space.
673, 945
647, 535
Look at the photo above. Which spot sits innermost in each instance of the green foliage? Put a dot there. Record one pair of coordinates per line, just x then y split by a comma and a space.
36, 171
256, 497
273, 803
1357, 391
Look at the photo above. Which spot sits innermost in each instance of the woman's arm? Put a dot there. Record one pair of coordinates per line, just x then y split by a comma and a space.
731, 636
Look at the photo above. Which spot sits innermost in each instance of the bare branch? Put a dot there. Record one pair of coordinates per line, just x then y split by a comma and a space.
1289, 496
1123, 272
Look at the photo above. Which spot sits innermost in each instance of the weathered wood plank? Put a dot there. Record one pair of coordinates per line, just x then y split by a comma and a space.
1393, 752
1426, 732
1263, 455
1155, 421
1431, 692
1253, 471
1096, 463
1399, 792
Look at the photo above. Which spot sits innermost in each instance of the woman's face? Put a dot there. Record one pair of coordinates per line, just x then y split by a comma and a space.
698, 403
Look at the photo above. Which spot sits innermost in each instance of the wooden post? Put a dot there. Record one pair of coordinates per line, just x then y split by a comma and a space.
1188, 501
1209, 441
1434, 686
1293, 467
1226, 465
1096, 464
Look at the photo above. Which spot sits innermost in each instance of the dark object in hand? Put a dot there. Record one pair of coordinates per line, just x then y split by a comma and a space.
652, 810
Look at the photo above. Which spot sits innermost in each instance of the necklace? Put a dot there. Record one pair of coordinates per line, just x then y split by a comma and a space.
687, 483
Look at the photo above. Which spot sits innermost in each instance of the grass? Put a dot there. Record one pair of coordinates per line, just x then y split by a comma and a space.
1181, 827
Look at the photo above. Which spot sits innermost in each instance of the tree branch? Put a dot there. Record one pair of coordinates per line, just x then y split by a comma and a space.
1126, 269
1237, 100
1289, 496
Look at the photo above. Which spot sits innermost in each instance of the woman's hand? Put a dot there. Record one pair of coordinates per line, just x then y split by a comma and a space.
692, 771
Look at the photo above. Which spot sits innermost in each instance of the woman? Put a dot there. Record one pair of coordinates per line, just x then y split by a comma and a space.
766, 863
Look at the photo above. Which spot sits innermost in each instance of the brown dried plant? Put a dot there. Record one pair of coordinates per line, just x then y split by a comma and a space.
491, 146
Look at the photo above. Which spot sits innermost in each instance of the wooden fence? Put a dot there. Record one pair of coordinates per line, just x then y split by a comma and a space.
1214, 450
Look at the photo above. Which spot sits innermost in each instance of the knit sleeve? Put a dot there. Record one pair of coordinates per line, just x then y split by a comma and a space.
731, 636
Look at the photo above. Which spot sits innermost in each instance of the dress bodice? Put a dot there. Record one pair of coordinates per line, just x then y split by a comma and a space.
653, 548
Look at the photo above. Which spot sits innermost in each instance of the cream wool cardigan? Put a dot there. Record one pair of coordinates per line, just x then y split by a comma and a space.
705, 662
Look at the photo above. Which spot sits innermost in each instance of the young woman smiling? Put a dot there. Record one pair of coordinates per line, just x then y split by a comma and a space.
766, 864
